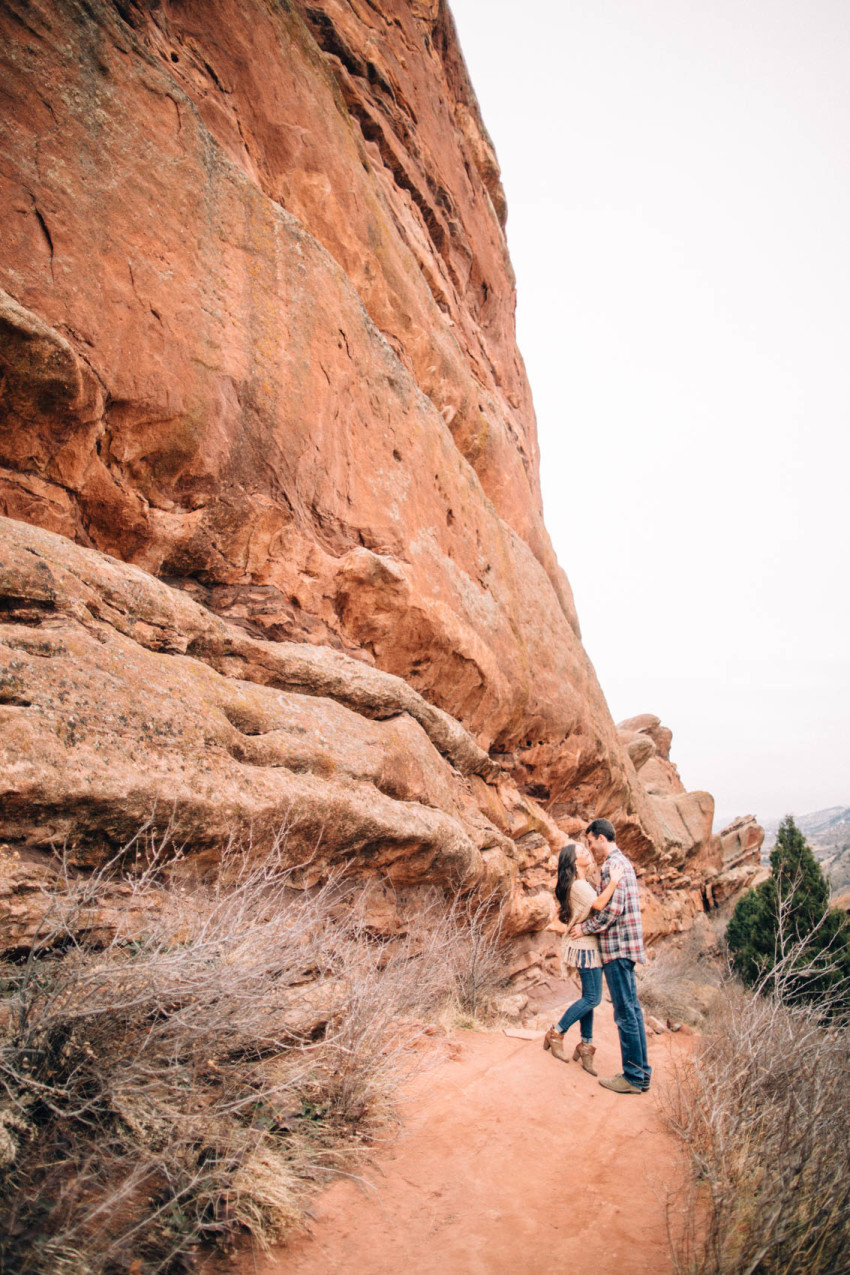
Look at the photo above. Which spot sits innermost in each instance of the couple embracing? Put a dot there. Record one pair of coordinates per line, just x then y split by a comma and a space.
605, 936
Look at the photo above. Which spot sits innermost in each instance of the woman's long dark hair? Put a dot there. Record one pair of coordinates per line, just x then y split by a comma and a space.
566, 875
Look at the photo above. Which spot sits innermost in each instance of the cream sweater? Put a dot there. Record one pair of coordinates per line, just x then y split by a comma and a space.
581, 953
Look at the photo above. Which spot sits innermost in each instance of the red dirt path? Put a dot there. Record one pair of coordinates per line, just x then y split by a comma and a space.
508, 1163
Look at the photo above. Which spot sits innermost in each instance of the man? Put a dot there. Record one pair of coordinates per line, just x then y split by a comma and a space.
621, 945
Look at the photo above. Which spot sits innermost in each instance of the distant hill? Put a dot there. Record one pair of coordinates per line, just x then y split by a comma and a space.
828, 833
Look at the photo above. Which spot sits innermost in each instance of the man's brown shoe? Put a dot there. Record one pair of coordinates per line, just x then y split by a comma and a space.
619, 1084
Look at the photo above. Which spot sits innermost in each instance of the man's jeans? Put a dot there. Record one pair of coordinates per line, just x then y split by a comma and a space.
582, 1010
620, 977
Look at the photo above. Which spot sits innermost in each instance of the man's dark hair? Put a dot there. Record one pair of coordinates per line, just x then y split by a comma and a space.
601, 828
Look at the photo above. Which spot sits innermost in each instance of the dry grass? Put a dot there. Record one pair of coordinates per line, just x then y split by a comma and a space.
193, 1079
763, 1107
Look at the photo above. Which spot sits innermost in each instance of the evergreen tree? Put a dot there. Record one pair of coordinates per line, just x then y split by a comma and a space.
786, 927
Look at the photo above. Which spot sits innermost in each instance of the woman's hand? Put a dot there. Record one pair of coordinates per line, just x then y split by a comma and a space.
618, 872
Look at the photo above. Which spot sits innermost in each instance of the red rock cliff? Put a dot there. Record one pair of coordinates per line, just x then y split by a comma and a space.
258, 342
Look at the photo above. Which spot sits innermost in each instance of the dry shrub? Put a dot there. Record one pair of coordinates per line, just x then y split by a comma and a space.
475, 951
679, 982
466, 941
763, 1106
189, 1080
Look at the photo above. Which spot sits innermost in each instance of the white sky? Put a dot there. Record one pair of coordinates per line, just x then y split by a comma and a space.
678, 188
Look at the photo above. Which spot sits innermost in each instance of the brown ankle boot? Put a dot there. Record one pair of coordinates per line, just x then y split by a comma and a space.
554, 1040
585, 1051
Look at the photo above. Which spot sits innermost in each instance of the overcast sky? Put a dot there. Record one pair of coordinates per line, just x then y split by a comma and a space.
679, 222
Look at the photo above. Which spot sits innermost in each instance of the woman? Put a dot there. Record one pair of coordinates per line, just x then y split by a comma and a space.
577, 898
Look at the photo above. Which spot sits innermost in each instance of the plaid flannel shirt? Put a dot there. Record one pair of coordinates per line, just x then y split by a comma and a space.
618, 925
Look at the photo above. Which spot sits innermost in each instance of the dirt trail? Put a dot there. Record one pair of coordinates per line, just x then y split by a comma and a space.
508, 1163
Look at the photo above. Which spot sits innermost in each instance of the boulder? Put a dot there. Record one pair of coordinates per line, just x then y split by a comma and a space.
648, 725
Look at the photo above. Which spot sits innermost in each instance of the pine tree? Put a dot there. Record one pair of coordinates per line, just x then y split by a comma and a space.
785, 933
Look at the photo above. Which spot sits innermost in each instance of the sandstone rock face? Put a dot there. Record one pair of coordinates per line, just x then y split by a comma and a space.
124, 704
740, 858
697, 869
257, 344
258, 322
